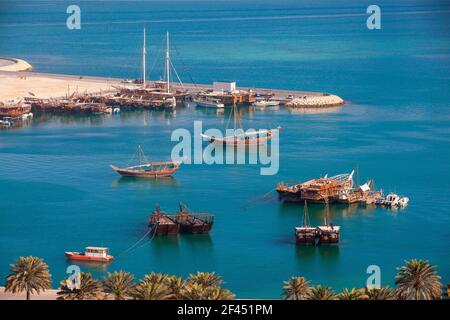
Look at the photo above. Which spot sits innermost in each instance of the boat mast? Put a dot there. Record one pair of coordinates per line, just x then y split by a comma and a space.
327, 222
305, 215
144, 53
168, 61
234, 111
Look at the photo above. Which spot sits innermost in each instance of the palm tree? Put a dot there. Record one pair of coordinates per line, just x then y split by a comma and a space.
219, 293
150, 288
354, 294
296, 288
175, 285
321, 293
118, 284
418, 280
193, 291
206, 279
156, 277
384, 293
29, 274
90, 289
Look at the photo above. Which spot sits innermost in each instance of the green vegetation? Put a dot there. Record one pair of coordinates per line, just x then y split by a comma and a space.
416, 280
29, 274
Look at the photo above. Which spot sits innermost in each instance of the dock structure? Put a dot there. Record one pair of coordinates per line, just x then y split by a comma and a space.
53, 92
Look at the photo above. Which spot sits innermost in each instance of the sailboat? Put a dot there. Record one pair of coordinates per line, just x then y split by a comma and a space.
146, 169
329, 233
306, 234
161, 94
242, 138
163, 89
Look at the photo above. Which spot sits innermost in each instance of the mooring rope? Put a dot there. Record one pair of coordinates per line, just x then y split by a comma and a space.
136, 243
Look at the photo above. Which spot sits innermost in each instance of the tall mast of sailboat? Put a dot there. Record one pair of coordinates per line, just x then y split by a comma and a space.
168, 62
144, 53
305, 215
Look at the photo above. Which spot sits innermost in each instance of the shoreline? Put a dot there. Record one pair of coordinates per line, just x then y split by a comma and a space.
17, 81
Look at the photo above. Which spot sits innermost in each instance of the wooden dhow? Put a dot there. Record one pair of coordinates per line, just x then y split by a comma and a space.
241, 137
184, 221
193, 223
162, 224
324, 234
321, 190
146, 169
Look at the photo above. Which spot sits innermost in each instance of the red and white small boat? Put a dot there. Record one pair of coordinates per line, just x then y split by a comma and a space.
97, 254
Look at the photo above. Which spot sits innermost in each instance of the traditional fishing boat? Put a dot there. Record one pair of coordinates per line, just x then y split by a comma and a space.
13, 109
97, 254
266, 103
322, 190
162, 224
208, 102
241, 137
161, 94
306, 234
327, 233
364, 194
194, 222
146, 169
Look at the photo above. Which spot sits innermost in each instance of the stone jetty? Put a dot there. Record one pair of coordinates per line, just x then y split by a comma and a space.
316, 101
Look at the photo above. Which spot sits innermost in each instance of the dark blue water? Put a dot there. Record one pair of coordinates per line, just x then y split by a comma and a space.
57, 192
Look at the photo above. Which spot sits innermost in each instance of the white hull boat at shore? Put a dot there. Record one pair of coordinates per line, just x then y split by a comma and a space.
209, 103
266, 103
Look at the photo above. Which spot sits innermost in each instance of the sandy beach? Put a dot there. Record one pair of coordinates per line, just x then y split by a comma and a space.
46, 295
25, 84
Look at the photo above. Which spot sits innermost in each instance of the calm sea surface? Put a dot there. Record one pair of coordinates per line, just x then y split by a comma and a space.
57, 192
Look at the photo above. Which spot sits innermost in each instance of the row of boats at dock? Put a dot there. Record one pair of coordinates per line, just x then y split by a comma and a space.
139, 95
338, 189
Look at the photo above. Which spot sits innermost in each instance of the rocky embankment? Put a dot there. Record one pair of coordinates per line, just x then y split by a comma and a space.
319, 101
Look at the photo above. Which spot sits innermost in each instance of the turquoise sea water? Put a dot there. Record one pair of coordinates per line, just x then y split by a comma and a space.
57, 192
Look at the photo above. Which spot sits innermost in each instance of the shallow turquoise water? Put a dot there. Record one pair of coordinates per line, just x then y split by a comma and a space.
57, 192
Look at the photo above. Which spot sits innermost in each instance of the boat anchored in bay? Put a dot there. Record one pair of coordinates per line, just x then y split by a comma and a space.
241, 137
327, 233
146, 169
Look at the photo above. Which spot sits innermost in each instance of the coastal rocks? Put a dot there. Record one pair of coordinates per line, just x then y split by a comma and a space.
321, 101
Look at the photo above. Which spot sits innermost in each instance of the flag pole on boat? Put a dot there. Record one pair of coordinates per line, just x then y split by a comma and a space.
144, 53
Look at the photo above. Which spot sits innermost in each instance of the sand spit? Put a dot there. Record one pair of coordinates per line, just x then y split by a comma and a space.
14, 65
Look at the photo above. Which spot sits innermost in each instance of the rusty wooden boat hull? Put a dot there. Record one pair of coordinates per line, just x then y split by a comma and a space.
316, 237
156, 173
165, 229
231, 141
196, 228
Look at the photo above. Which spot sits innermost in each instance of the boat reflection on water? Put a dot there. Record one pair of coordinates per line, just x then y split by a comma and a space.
314, 110
145, 183
198, 243
309, 254
90, 265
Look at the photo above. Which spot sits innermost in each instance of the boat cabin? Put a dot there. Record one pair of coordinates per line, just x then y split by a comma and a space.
97, 252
